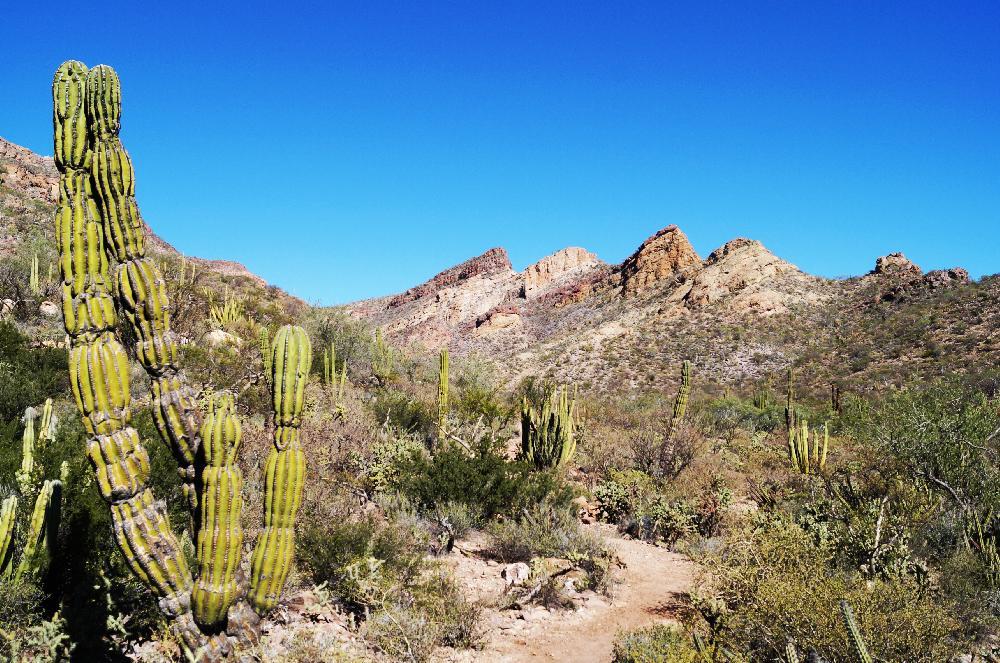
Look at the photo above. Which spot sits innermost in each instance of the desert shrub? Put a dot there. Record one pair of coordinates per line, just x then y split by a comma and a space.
482, 479
726, 416
27, 376
775, 582
405, 412
479, 394
660, 643
544, 529
662, 454
379, 468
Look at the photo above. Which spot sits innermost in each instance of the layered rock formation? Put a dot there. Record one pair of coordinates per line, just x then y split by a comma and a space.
665, 255
559, 268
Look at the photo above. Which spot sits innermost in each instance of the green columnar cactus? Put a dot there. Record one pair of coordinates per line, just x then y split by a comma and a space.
329, 364
47, 424
264, 344
791, 653
8, 518
762, 399
683, 392
220, 536
854, 633
98, 364
44, 520
139, 285
442, 395
229, 313
26, 475
826, 447
835, 404
284, 471
34, 285
790, 402
382, 359
548, 439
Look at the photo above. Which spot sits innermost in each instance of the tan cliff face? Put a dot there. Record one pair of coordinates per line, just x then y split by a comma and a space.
559, 268
666, 254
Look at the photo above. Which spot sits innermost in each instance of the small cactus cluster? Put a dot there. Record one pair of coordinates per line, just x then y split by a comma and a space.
44, 519
383, 361
230, 312
548, 438
807, 448
442, 423
97, 220
334, 381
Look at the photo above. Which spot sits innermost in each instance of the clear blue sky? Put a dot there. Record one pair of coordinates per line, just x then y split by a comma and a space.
346, 150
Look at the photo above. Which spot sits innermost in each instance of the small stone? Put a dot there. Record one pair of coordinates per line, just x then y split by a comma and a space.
48, 309
515, 574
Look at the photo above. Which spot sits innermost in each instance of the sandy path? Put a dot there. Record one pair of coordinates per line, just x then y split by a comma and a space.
651, 582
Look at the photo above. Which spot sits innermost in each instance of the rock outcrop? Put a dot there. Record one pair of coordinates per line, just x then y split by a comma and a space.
750, 277
558, 269
663, 256
494, 261
896, 264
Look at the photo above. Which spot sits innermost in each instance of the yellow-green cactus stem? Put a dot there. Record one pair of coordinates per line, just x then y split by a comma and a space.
98, 365
548, 439
8, 518
44, 518
139, 285
826, 446
442, 394
285, 469
46, 425
25, 475
220, 536
87, 305
683, 392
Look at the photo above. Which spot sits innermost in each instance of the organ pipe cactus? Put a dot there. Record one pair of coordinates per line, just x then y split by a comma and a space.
26, 475
97, 218
442, 394
44, 520
8, 518
808, 448
790, 403
854, 633
285, 468
139, 289
220, 535
34, 285
680, 402
548, 439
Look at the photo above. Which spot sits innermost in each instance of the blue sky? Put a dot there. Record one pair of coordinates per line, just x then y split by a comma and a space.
347, 150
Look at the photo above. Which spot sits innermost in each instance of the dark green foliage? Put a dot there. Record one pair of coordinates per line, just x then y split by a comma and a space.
483, 479
27, 375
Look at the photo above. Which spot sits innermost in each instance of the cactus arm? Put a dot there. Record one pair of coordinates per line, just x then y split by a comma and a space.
284, 471
44, 520
139, 285
220, 536
8, 518
854, 633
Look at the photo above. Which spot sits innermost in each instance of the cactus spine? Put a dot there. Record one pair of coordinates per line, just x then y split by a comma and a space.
442, 395
220, 536
548, 439
854, 633
284, 471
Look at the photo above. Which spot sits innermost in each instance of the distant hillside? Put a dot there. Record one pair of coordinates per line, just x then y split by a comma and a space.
742, 315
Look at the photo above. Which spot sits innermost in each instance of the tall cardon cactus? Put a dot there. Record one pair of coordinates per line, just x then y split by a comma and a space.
97, 219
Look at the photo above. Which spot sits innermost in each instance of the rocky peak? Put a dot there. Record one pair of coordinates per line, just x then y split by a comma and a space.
494, 261
559, 267
896, 264
660, 257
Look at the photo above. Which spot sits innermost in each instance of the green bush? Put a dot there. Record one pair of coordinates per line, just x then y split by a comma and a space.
27, 377
483, 479
660, 643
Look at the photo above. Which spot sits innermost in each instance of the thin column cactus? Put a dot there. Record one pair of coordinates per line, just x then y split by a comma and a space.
34, 284
90, 158
681, 400
382, 359
807, 448
858, 645
285, 469
442, 423
790, 403
548, 438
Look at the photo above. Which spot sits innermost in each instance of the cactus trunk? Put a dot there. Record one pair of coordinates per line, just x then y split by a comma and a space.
442, 395
284, 471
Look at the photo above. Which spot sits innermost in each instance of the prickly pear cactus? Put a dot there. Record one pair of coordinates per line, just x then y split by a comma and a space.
284, 472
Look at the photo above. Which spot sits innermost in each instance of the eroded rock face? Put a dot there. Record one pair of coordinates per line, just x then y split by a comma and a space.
494, 261
556, 269
660, 257
896, 264
943, 278
744, 271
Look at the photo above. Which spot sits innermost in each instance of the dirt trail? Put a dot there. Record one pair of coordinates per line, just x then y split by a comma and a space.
652, 581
